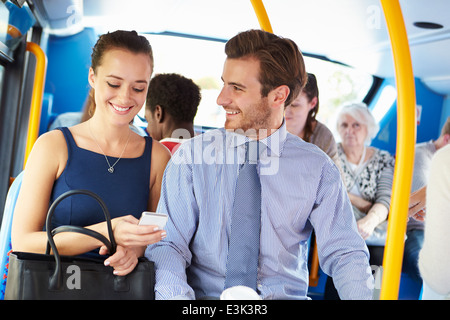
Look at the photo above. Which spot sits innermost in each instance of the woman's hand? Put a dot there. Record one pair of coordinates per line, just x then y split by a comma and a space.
376, 215
124, 260
366, 226
128, 233
131, 240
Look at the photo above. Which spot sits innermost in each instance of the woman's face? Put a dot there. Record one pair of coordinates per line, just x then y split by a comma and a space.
121, 83
296, 113
353, 133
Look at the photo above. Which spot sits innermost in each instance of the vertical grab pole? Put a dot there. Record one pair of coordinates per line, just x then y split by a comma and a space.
36, 99
406, 139
261, 14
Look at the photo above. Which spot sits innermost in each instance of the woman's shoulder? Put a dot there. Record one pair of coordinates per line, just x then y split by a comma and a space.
49, 151
53, 139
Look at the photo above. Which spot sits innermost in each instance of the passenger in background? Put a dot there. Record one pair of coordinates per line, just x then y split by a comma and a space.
171, 105
424, 153
102, 155
301, 120
368, 175
434, 260
415, 229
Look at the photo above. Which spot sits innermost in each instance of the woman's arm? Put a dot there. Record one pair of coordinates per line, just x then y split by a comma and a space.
379, 211
45, 164
376, 215
360, 203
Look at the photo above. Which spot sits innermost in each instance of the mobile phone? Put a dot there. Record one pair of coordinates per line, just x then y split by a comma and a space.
153, 218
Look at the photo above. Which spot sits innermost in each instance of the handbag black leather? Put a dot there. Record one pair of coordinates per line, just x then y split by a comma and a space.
46, 277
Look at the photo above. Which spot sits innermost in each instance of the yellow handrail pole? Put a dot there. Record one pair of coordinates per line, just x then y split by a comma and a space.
261, 14
406, 139
36, 98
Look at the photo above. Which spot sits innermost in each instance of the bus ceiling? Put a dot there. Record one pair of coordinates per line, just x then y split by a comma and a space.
352, 32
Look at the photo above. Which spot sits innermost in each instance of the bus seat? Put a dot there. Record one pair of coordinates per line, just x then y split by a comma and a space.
47, 116
5, 233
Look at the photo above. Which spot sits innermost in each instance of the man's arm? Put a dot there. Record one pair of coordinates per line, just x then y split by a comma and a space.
172, 255
343, 253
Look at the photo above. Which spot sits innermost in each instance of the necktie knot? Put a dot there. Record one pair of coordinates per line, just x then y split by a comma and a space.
253, 150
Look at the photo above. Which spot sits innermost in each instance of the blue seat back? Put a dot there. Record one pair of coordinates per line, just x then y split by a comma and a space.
5, 233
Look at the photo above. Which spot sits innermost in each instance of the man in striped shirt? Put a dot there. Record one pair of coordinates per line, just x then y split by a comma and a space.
301, 189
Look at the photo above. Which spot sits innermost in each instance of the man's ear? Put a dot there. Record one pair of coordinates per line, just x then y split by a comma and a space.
279, 95
159, 114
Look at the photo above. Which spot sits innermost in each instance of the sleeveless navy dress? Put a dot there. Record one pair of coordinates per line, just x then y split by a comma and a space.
125, 191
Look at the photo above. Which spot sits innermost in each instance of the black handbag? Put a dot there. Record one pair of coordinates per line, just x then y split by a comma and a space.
46, 277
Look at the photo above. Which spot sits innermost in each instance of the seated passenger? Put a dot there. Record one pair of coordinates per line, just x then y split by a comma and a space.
296, 189
368, 175
415, 229
423, 155
102, 155
171, 105
69, 119
434, 260
301, 120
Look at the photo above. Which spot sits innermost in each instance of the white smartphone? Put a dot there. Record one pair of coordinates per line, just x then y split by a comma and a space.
153, 218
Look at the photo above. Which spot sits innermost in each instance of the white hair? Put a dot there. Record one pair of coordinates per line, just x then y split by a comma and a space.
362, 113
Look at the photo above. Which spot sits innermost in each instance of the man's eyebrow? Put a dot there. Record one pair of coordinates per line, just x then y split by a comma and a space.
234, 84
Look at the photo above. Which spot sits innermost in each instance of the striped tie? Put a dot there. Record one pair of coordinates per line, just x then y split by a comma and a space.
243, 250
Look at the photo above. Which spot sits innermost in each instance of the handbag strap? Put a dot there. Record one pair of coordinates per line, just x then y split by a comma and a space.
56, 278
85, 231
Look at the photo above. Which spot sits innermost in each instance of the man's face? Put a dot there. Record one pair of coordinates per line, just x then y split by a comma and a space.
241, 96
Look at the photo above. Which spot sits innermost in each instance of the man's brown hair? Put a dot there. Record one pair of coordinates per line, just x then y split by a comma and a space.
281, 62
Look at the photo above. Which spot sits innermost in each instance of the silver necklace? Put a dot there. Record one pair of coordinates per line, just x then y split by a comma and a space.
111, 167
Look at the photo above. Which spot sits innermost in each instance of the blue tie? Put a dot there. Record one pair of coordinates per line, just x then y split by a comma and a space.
243, 250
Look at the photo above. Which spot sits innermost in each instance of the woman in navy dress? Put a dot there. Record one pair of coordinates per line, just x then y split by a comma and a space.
102, 155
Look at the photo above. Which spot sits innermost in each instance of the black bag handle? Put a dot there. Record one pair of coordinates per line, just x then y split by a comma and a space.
85, 231
56, 278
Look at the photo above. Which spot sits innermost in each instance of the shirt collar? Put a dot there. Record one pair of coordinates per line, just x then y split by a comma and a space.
274, 142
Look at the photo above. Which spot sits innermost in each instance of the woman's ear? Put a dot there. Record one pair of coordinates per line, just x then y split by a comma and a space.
91, 77
313, 103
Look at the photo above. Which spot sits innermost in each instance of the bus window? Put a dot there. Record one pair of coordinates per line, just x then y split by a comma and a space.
385, 102
197, 59
202, 61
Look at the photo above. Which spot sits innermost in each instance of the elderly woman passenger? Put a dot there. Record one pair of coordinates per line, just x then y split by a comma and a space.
368, 173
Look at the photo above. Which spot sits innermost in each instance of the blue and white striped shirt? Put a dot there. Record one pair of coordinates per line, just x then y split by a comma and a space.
301, 190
